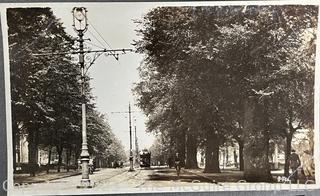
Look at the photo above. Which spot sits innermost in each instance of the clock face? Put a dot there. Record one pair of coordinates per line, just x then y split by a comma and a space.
79, 14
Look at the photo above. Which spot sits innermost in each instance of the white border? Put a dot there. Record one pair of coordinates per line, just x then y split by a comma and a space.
3, 7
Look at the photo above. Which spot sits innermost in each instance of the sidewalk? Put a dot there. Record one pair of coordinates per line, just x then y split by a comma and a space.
192, 175
224, 176
42, 177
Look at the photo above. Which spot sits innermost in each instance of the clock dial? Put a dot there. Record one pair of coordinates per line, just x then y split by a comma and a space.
79, 15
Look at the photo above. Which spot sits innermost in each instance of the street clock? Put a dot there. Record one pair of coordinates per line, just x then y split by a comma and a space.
79, 19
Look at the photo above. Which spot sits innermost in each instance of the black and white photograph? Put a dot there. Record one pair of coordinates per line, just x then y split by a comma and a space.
161, 97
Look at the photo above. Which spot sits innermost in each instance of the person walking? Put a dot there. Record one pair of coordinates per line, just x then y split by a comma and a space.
294, 165
177, 163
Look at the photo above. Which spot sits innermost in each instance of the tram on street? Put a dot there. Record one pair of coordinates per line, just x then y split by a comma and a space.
145, 158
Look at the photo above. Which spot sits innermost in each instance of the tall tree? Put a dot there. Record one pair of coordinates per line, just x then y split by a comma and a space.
36, 30
218, 67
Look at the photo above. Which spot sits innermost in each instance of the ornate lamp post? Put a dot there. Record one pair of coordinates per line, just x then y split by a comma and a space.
80, 25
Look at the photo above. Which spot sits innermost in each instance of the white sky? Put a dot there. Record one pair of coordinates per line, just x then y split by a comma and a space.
113, 80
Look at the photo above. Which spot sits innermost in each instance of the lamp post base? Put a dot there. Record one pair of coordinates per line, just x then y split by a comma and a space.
85, 184
131, 170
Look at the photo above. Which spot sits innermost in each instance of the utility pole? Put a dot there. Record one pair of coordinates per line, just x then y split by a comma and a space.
130, 135
136, 142
131, 154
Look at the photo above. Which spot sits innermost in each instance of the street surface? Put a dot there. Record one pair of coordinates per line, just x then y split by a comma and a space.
155, 179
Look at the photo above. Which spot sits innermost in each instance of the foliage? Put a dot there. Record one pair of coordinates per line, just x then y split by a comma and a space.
202, 64
45, 90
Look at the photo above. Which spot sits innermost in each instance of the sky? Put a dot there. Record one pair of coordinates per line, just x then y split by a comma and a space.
113, 80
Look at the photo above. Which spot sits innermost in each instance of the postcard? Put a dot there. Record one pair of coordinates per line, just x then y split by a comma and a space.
123, 97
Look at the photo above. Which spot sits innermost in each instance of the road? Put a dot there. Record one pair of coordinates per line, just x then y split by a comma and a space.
156, 179
114, 180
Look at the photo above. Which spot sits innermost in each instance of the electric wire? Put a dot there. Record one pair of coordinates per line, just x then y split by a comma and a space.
99, 34
102, 45
112, 53
88, 42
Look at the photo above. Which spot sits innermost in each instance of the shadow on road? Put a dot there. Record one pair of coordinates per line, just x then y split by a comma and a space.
167, 174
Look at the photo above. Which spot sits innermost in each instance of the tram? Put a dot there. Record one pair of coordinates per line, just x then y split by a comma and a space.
145, 158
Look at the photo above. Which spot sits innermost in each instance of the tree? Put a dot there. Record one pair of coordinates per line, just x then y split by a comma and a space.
218, 68
46, 94
36, 30
115, 151
160, 150
263, 49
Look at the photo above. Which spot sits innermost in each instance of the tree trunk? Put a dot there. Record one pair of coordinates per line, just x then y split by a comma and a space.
76, 156
256, 144
241, 161
18, 149
212, 153
287, 153
68, 158
49, 159
181, 145
32, 152
191, 154
227, 155
59, 150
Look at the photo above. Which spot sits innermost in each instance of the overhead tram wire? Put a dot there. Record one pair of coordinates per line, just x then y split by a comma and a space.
92, 44
99, 41
103, 45
113, 54
99, 34
102, 38
103, 49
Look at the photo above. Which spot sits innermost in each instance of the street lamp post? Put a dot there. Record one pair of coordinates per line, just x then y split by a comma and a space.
80, 26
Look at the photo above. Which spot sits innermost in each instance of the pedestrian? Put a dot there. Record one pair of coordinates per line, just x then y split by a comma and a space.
177, 164
295, 163
235, 158
168, 162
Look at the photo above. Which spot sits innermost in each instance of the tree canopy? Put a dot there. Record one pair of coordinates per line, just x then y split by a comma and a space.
45, 89
216, 71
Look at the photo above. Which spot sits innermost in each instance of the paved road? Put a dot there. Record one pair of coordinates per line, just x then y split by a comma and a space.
141, 180
67, 185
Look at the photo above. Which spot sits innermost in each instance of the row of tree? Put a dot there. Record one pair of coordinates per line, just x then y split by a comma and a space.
220, 72
45, 90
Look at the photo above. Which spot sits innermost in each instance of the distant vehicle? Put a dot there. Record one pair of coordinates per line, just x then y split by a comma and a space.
145, 158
